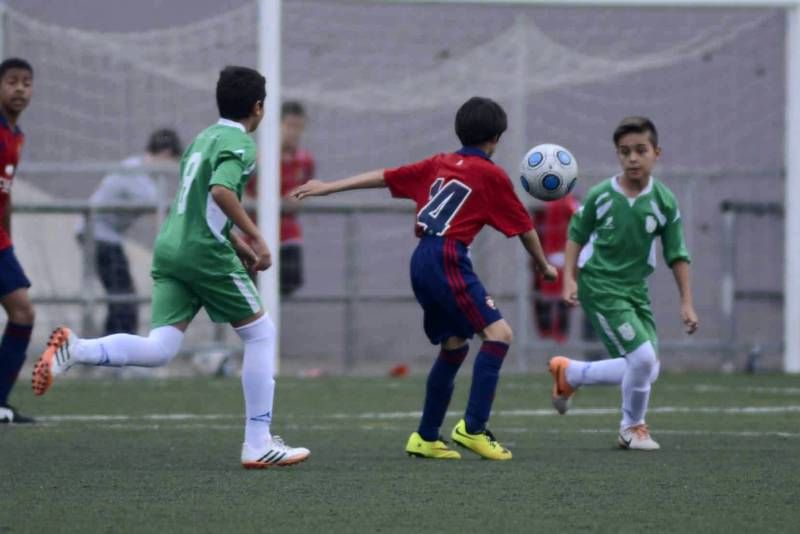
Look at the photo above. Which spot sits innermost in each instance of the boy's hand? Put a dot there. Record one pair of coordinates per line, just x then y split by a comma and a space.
549, 272
570, 291
245, 253
312, 188
263, 256
689, 318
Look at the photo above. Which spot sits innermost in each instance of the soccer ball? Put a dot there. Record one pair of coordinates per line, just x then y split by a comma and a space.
548, 172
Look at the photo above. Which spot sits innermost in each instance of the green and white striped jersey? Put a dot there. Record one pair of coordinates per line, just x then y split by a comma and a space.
619, 233
194, 238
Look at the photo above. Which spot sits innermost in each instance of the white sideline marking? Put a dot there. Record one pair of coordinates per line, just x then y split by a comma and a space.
379, 416
129, 426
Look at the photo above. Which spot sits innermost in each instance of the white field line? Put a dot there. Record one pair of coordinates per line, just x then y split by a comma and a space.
380, 416
210, 427
695, 388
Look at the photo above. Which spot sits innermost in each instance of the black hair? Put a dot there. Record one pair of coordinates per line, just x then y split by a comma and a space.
638, 125
293, 107
165, 139
479, 120
238, 90
14, 63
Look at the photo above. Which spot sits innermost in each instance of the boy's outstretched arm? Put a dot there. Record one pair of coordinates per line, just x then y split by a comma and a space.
530, 240
318, 188
680, 269
569, 293
229, 203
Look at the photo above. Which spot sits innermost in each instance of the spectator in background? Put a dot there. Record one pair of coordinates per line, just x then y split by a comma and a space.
136, 187
297, 167
550, 312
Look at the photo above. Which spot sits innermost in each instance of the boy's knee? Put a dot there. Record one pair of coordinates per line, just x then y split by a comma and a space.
644, 359
22, 313
499, 331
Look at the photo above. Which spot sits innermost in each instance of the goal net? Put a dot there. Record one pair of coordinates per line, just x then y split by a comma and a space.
381, 83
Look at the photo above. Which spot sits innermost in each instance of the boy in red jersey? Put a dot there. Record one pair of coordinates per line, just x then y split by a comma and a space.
456, 195
297, 167
16, 87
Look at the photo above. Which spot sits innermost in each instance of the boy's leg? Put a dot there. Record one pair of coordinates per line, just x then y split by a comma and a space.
233, 298
115, 275
174, 306
14, 298
486, 374
260, 449
13, 348
439, 386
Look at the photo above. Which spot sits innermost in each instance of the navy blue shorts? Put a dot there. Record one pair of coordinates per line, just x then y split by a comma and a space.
12, 277
453, 299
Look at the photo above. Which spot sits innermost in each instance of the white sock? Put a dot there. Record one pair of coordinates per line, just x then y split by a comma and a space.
117, 350
636, 384
600, 372
258, 379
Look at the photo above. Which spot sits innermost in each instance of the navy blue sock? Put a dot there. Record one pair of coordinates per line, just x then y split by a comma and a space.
438, 391
12, 356
485, 375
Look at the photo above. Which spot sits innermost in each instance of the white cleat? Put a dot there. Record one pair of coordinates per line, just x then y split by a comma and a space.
274, 454
637, 437
55, 360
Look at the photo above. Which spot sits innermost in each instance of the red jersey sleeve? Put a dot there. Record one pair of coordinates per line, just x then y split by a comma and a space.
408, 180
506, 212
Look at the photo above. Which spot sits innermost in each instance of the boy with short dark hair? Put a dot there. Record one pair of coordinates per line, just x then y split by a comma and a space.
198, 262
456, 194
615, 234
16, 88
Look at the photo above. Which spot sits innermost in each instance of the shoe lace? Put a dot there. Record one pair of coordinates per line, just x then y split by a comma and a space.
641, 431
278, 443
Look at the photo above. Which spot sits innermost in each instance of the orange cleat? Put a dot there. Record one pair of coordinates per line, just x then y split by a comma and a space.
55, 359
562, 391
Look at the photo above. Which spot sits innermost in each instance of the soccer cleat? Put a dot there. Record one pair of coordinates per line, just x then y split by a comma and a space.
416, 446
9, 414
274, 454
55, 359
483, 443
637, 437
562, 391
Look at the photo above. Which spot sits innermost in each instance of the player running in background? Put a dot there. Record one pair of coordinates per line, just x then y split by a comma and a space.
615, 233
16, 87
456, 194
198, 262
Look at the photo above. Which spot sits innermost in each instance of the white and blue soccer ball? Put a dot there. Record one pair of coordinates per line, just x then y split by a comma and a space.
548, 172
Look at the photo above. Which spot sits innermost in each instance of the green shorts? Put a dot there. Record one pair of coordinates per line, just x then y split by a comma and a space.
228, 298
622, 324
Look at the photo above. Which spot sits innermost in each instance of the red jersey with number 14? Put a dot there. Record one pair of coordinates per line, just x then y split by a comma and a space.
11, 141
458, 194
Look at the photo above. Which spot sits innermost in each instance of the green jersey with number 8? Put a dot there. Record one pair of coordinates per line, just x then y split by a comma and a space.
194, 237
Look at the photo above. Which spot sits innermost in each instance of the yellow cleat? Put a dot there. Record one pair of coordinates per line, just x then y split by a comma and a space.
483, 444
438, 449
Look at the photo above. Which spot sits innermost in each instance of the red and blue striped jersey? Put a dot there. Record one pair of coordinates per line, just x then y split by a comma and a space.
11, 141
457, 194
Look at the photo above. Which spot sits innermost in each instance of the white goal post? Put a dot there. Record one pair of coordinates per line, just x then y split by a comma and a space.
791, 358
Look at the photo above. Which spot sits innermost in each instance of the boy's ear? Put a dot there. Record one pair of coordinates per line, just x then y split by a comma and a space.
258, 108
657, 150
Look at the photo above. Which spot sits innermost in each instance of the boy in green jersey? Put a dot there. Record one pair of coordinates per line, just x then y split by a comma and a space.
198, 262
612, 240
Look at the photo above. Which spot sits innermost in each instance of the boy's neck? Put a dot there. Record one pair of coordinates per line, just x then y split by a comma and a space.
632, 186
11, 118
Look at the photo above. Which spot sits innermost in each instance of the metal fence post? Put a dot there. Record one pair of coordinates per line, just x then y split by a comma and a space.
728, 297
88, 279
351, 288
